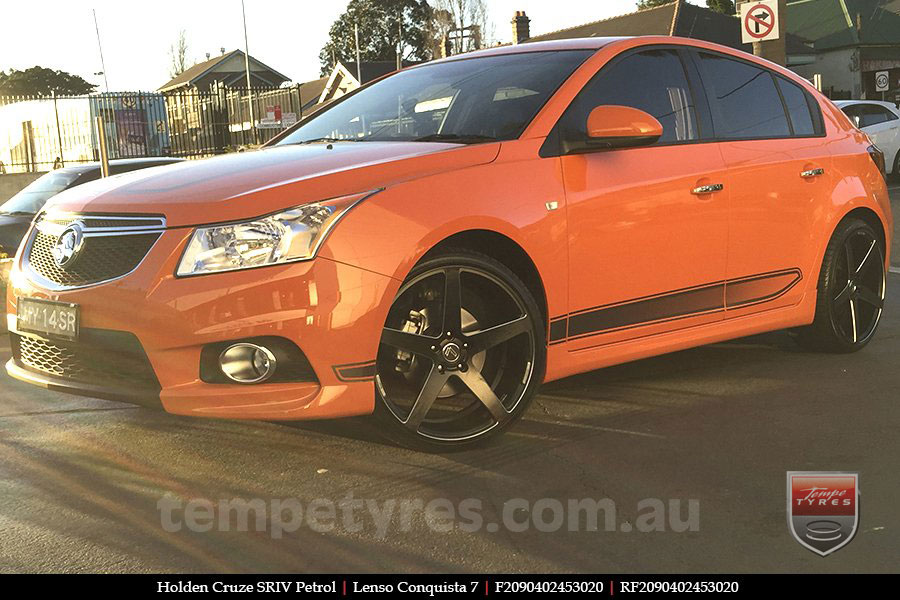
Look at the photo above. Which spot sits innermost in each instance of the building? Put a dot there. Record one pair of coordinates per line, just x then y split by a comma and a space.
678, 18
347, 77
311, 93
846, 42
228, 70
850, 41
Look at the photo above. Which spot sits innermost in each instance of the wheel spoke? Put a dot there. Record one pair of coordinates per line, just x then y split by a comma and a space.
411, 342
433, 385
866, 263
452, 301
840, 301
853, 319
870, 297
476, 383
494, 336
848, 256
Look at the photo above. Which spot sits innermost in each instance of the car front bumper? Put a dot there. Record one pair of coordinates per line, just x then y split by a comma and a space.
332, 311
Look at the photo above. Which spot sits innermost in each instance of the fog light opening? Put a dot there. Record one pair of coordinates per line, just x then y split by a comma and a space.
247, 363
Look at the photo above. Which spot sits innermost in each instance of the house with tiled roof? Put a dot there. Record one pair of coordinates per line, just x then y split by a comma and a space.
347, 77
679, 18
229, 69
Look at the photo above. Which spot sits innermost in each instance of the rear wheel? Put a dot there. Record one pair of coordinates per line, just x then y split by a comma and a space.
462, 353
850, 291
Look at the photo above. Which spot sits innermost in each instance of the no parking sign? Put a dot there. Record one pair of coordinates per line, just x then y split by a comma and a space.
759, 21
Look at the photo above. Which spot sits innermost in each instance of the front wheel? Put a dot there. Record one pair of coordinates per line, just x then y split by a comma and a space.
850, 292
462, 353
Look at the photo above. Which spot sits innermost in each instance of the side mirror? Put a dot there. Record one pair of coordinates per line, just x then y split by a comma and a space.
619, 127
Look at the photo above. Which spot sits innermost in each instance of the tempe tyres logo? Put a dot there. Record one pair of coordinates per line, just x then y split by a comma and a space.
823, 509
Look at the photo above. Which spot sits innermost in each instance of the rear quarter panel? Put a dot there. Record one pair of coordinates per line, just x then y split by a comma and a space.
857, 181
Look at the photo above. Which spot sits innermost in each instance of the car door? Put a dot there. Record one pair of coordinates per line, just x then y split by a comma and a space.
646, 246
770, 133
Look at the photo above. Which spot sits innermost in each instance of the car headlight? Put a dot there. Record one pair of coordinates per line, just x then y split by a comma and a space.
293, 235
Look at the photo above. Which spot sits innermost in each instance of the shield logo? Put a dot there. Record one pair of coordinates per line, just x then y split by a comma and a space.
68, 245
823, 509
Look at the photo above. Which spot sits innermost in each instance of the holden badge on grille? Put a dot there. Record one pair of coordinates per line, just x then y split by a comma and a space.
69, 245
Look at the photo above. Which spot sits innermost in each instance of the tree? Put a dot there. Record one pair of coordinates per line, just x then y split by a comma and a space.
178, 55
381, 24
40, 81
450, 15
721, 6
645, 4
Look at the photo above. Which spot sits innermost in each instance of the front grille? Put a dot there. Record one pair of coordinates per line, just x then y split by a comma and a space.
111, 359
113, 247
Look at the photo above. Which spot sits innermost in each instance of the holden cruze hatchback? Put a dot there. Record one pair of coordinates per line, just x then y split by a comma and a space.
435, 245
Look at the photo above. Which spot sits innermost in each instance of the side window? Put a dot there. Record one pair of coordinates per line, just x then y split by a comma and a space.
872, 114
653, 81
854, 111
743, 99
797, 104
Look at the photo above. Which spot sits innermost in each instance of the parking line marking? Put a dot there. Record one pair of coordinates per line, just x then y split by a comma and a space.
894, 269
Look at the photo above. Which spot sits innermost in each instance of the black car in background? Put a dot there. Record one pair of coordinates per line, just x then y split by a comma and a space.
17, 212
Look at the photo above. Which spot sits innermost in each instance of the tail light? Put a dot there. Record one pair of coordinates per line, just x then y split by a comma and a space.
878, 157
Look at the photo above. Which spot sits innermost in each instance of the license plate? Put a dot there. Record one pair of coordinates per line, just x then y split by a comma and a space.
49, 318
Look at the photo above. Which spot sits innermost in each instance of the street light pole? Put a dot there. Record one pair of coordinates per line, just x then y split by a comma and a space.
100, 47
247, 70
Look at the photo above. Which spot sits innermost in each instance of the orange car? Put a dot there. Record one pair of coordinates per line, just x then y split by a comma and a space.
433, 246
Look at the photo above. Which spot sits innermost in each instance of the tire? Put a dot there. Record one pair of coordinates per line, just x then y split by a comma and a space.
850, 293
446, 382
895, 174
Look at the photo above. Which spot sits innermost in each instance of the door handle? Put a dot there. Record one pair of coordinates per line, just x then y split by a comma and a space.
812, 173
708, 189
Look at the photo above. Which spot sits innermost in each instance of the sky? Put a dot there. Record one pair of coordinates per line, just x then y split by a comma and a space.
285, 34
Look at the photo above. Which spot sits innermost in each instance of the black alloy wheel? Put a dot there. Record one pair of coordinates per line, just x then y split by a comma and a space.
851, 291
462, 352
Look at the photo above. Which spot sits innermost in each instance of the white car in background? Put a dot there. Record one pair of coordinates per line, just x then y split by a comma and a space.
881, 121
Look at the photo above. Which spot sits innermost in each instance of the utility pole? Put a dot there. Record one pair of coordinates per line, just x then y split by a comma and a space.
100, 47
400, 41
356, 35
247, 71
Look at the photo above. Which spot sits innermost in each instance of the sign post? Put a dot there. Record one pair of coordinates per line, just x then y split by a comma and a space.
882, 82
762, 24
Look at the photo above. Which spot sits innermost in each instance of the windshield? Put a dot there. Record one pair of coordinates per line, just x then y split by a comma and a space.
32, 198
467, 101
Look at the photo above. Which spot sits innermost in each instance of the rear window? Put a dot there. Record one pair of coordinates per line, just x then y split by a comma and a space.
744, 101
866, 115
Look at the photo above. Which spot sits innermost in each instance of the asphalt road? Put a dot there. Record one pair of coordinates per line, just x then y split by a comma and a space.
81, 481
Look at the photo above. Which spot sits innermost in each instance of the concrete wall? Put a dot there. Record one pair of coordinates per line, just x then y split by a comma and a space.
11, 183
840, 69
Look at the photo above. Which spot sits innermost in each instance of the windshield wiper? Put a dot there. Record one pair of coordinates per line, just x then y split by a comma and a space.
16, 213
456, 138
326, 139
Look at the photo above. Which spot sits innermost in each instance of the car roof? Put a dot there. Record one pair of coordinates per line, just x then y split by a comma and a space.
548, 46
842, 103
122, 162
